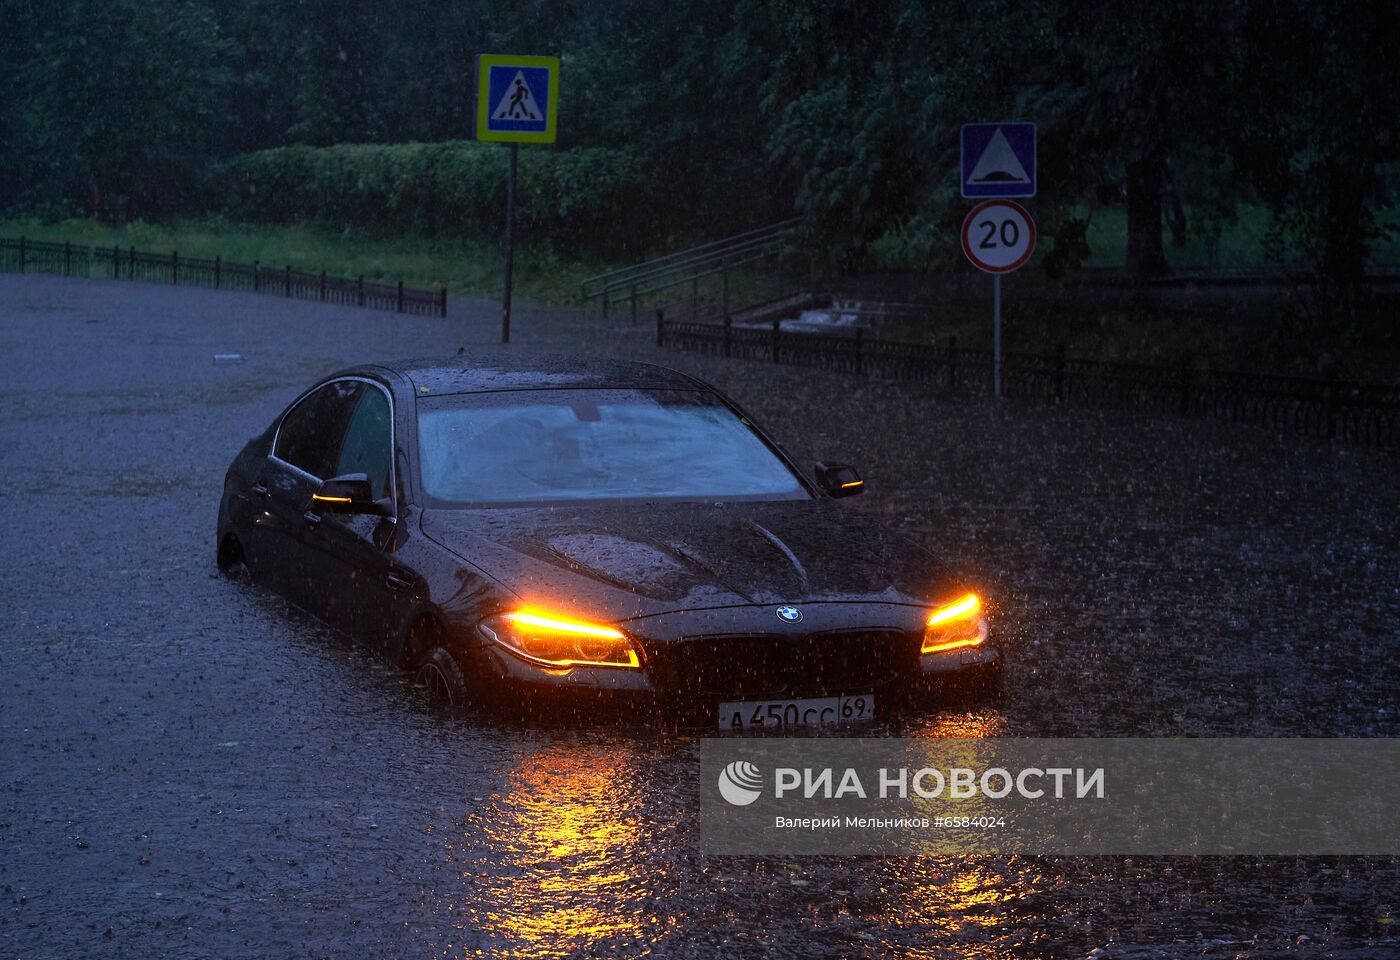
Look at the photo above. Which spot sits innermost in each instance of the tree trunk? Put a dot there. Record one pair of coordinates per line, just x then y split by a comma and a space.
1344, 230
1176, 213
1145, 256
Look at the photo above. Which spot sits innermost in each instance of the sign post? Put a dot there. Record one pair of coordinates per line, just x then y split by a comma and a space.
517, 101
510, 242
996, 335
998, 235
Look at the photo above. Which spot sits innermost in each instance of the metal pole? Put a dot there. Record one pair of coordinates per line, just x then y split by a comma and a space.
996, 335
510, 243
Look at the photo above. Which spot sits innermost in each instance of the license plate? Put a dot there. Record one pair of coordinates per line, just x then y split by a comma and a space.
809, 712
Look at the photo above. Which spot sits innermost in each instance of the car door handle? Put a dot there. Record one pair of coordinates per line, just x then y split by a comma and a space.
397, 582
312, 518
259, 488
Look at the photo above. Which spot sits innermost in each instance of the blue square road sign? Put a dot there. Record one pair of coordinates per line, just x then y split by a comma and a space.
998, 160
517, 98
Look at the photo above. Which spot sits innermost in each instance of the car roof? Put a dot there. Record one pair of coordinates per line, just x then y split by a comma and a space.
467, 374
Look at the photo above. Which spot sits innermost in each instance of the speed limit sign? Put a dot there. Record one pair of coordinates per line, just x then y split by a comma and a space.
998, 236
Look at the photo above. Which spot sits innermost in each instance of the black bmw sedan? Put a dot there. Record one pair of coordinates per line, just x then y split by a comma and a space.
579, 533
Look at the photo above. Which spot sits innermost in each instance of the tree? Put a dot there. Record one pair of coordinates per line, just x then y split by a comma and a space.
122, 101
1135, 83
1319, 89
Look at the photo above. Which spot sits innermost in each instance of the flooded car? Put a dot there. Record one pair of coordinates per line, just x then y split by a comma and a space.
572, 534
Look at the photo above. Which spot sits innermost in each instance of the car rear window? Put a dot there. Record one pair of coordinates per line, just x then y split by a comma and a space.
531, 446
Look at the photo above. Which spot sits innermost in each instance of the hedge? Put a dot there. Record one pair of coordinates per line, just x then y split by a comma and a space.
456, 187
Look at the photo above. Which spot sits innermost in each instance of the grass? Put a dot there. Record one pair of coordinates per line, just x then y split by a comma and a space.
1240, 245
465, 268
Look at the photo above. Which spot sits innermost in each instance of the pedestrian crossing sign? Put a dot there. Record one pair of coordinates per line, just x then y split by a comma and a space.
517, 98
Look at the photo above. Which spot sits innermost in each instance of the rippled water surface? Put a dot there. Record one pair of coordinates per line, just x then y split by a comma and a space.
188, 768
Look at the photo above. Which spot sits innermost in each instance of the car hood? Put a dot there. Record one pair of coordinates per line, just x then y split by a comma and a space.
639, 560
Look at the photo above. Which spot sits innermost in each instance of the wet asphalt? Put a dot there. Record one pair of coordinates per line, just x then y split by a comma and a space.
189, 768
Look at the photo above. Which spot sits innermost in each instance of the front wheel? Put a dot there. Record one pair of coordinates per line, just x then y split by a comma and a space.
231, 561
440, 676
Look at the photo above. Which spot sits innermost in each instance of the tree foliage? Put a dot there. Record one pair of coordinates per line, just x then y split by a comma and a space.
122, 103
696, 117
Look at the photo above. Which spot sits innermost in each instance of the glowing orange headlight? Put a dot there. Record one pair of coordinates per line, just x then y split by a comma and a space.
954, 625
560, 643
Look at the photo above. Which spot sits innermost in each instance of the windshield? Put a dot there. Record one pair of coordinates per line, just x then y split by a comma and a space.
532, 446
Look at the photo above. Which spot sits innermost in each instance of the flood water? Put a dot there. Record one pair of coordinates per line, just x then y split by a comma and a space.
190, 769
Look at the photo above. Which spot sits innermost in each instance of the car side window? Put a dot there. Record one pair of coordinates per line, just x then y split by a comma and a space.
368, 446
309, 437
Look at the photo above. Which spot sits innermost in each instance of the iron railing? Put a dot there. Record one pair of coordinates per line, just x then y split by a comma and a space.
1362, 413
755, 251
117, 263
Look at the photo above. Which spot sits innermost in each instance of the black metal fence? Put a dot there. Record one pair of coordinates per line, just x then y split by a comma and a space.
1361, 413
118, 263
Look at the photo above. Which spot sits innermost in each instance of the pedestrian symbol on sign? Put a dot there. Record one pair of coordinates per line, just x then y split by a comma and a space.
517, 98
519, 103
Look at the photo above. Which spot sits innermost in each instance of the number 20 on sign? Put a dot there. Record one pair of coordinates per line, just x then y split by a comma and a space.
998, 236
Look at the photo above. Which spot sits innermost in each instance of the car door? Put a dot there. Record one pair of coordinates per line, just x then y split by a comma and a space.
356, 550
303, 454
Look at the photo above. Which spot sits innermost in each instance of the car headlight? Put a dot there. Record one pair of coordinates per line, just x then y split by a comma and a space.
954, 625
555, 642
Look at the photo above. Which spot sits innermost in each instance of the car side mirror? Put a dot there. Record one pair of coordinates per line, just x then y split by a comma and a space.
839, 479
350, 493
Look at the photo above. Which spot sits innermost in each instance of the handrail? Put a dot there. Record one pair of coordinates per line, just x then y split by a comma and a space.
649, 284
699, 255
759, 244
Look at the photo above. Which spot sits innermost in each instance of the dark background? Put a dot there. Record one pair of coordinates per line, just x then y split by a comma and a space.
690, 118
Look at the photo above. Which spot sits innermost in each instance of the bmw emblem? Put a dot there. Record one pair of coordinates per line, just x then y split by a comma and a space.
789, 615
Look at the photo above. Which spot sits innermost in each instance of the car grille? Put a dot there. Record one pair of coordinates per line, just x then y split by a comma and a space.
826, 664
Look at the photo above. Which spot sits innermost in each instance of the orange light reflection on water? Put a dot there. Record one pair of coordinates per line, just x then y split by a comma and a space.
563, 835
972, 902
